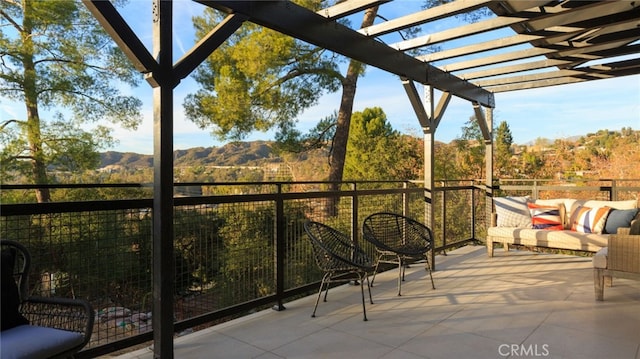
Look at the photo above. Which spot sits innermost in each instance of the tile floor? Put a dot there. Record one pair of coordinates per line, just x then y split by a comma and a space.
516, 305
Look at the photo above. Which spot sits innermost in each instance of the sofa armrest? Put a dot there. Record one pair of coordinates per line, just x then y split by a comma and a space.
623, 231
624, 252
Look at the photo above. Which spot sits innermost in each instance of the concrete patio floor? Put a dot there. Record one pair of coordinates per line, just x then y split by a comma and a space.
516, 305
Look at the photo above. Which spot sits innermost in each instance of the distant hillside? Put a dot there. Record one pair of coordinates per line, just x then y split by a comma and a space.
255, 153
604, 154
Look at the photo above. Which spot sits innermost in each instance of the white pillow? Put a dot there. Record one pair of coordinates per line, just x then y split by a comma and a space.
512, 212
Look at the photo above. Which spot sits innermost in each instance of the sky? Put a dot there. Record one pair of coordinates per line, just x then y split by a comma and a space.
552, 112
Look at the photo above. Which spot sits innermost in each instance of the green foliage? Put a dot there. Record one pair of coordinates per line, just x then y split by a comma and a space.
57, 58
471, 150
375, 151
258, 79
289, 139
502, 150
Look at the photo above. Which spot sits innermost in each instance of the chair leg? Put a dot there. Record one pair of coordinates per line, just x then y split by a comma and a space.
325, 279
598, 282
369, 287
433, 286
399, 277
364, 309
375, 271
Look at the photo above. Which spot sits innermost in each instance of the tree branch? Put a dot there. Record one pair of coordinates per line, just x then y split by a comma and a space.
11, 21
7, 123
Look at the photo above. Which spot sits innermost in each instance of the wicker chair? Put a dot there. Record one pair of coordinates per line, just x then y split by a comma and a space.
56, 328
621, 258
398, 240
339, 258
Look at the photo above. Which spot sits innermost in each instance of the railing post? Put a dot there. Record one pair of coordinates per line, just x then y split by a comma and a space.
444, 216
279, 244
354, 214
163, 228
473, 211
613, 192
405, 200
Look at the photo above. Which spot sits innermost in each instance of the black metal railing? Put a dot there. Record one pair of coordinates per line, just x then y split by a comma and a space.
238, 247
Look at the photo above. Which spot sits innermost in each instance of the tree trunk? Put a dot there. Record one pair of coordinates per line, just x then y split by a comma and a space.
339, 151
34, 137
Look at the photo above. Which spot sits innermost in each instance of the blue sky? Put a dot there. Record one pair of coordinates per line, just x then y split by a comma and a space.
553, 112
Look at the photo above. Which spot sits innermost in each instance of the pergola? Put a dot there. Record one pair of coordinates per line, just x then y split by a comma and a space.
548, 43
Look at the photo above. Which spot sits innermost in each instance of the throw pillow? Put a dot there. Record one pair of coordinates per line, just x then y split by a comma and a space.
512, 212
619, 218
589, 220
565, 204
10, 296
545, 217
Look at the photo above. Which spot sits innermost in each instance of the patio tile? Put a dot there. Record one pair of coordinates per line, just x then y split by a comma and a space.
481, 308
330, 343
562, 342
444, 342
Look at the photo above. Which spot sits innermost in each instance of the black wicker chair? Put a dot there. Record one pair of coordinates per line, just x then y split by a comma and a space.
38, 327
398, 240
340, 260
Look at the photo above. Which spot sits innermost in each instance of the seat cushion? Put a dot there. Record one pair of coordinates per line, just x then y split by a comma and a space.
591, 242
34, 342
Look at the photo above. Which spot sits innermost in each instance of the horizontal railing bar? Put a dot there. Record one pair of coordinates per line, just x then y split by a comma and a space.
66, 207
186, 184
456, 244
567, 188
120, 344
92, 206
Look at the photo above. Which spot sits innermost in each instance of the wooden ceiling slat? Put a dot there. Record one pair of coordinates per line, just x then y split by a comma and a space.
421, 17
566, 34
348, 7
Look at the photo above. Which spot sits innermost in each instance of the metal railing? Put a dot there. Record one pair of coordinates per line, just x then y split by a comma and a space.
238, 247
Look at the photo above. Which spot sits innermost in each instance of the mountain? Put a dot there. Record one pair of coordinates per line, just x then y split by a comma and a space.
255, 153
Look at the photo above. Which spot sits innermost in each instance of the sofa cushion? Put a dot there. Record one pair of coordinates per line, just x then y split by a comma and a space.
545, 217
553, 239
512, 212
34, 342
589, 220
627, 204
619, 218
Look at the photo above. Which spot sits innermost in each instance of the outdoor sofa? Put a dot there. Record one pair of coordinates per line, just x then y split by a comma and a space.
572, 224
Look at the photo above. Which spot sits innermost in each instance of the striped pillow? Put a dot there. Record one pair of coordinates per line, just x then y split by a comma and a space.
545, 217
589, 220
